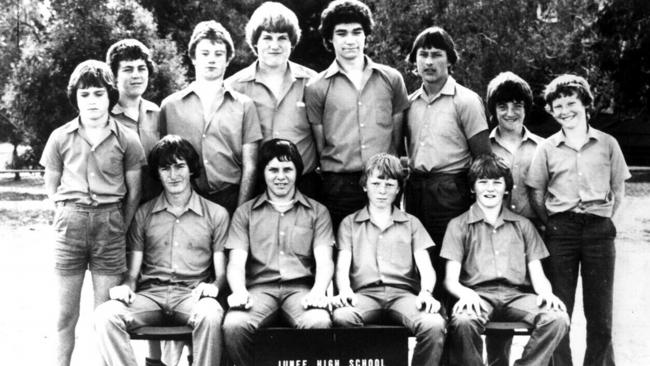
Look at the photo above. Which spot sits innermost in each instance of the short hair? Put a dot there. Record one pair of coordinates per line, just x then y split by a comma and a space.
490, 166
388, 166
275, 18
567, 85
128, 50
283, 150
508, 87
434, 37
92, 73
168, 151
215, 32
341, 12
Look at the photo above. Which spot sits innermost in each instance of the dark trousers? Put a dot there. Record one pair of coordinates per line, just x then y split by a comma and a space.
342, 195
586, 242
310, 185
435, 199
227, 198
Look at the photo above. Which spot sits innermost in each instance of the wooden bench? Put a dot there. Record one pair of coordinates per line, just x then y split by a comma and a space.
514, 328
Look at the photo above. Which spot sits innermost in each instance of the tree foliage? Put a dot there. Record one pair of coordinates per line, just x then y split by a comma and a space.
80, 30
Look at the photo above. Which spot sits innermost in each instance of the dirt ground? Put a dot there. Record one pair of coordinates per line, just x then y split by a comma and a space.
29, 303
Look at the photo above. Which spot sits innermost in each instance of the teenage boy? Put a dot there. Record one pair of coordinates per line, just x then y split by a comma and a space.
446, 128
131, 63
578, 182
355, 107
219, 122
176, 263
92, 173
509, 99
494, 270
383, 267
277, 85
280, 259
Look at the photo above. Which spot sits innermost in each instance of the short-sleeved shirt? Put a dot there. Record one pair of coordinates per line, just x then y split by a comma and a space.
147, 126
580, 181
519, 162
218, 140
177, 250
285, 118
488, 253
383, 256
280, 246
148, 129
356, 124
439, 127
92, 175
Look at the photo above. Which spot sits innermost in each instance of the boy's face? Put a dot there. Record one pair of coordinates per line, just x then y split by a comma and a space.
210, 60
489, 192
280, 179
381, 192
92, 103
569, 111
132, 78
273, 49
510, 115
432, 65
175, 178
348, 41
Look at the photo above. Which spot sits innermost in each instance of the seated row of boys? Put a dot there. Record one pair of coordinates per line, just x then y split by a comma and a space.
338, 119
280, 264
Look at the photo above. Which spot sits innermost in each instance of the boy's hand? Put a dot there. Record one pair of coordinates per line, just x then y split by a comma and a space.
425, 302
344, 298
122, 293
471, 303
205, 290
240, 300
551, 301
315, 300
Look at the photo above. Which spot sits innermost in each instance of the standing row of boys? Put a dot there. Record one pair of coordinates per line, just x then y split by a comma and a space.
350, 120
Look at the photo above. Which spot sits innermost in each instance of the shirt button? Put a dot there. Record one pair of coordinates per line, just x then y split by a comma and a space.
94, 195
496, 252
175, 243
363, 146
514, 186
282, 252
512, 207
359, 103
378, 257
579, 173
205, 161
92, 174
494, 231
421, 143
178, 221
381, 236
282, 214
92, 149
203, 135
281, 233
361, 125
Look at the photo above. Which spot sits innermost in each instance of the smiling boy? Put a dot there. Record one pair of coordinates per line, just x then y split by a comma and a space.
355, 107
280, 255
219, 122
494, 270
277, 85
578, 182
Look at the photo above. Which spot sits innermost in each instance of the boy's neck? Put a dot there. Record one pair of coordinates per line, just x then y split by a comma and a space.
491, 213
353, 65
209, 85
179, 201
94, 123
380, 216
131, 106
433, 89
576, 137
266, 70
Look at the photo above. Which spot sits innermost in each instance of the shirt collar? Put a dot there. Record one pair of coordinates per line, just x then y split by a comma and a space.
495, 135
296, 71
396, 216
335, 68
75, 124
476, 215
264, 198
448, 89
145, 106
194, 204
192, 89
560, 137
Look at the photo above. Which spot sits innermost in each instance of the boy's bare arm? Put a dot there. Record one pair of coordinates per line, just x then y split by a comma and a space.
536, 198
52, 182
425, 268
619, 194
542, 286
479, 144
468, 299
249, 163
398, 133
133, 181
236, 275
319, 138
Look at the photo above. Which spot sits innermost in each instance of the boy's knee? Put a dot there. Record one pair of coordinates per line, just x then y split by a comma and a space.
315, 319
463, 322
432, 323
235, 323
346, 317
208, 311
107, 314
557, 320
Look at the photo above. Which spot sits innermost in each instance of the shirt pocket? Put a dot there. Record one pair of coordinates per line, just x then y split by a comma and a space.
301, 240
401, 252
112, 166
